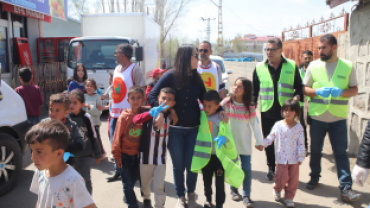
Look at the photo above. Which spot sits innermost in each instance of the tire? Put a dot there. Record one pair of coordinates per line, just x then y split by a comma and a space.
10, 152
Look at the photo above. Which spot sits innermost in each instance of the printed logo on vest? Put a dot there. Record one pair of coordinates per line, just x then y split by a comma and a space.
209, 81
341, 77
119, 90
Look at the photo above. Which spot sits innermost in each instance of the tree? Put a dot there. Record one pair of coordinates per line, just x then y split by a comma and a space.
78, 7
238, 45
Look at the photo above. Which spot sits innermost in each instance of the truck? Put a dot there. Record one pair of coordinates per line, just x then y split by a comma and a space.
101, 33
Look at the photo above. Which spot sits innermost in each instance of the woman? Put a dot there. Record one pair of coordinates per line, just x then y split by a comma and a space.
189, 87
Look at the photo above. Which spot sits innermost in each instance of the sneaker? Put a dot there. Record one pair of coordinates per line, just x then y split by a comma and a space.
191, 201
270, 175
235, 195
289, 203
147, 203
207, 205
180, 202
114, 177
277, 196
247, 201
349, 195
311, 185
111, 158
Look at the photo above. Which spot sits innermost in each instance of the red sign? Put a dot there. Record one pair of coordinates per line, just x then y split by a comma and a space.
26, 12
24, 51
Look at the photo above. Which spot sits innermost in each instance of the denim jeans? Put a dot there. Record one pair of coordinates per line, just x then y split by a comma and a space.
33, 119
181, 146
339, 143
112, 126
247, 169
129, 175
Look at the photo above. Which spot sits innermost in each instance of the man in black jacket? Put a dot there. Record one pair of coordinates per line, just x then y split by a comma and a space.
361, 169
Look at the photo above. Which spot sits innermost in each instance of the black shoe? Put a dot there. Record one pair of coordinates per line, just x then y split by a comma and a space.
235, 195
247, 201
147, 203
311, 185
350, 196
208, 205
220, 206
270, 175
114, 177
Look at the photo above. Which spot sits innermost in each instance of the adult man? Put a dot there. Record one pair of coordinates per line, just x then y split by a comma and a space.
330, 82
209, 70
307, 57
275, 80
126, 75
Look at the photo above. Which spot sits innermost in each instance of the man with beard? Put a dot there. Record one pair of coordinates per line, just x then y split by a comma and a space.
330, 82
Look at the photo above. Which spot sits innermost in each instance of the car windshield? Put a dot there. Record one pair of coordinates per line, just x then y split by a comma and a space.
94, 54
220, 64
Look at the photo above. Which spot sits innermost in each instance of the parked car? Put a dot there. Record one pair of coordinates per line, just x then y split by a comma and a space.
13, 127
225, 74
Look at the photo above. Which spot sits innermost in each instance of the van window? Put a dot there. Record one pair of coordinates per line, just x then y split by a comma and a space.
220, 64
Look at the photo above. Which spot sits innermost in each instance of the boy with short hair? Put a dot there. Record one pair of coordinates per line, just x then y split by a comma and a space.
56, 183
58, 110
125, 145
31, 95
156, 75
153, 148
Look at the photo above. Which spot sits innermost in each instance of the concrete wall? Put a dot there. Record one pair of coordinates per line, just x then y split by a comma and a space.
61, 28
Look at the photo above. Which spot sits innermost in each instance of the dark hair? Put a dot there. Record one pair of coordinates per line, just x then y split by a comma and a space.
25, 74
293, 105
308, 52
79, 95
69, 80
168, 90
125, 49
248, 88
54, 130
332, 40
111, 73
212, 95
75, 77
210, 45
183, 73
135, 89
60, 98
93, 82
277, 41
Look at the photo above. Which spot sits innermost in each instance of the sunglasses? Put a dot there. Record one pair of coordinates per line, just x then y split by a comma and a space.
205, 50
196, 56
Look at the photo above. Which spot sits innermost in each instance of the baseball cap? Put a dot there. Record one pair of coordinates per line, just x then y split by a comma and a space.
157, 71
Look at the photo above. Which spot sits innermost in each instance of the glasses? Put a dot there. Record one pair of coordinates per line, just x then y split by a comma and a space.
196, 56
271, 49
205, 50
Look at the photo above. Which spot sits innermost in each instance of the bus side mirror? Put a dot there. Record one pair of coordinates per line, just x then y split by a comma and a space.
139, 53
61, 55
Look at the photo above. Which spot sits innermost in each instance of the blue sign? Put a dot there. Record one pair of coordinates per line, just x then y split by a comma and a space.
55, 8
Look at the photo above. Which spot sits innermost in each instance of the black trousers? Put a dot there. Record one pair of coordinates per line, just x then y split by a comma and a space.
214, 167
304, 127
267, 124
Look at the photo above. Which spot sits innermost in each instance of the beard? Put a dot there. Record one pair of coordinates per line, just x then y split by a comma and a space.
325, 58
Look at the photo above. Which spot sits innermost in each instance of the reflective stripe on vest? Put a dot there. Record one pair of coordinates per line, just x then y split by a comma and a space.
337, 106
285, 85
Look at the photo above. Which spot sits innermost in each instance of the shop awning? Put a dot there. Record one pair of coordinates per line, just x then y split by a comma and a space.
25, 12
334, 3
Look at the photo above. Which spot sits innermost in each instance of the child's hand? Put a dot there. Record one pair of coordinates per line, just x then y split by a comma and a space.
118, 163
173, 117
259, 147
86, 105
159, 121
98, 160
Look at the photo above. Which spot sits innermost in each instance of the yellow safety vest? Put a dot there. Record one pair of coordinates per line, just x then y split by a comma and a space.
285, 85
337, 106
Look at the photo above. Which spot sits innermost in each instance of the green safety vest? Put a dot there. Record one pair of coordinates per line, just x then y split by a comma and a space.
302, 73
285, 85
227, 154
337, 106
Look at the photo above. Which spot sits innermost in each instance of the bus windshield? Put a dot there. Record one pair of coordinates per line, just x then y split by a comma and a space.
94, 54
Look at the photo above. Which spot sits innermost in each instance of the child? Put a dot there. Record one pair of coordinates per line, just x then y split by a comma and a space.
58, 110
243, 120
93, 147
157, 74
56, 183
69, 80
31, 95
125, 145
79, 78
153, 148
289, 151
107, 95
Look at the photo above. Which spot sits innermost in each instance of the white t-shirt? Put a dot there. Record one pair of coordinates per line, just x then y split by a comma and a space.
65, 190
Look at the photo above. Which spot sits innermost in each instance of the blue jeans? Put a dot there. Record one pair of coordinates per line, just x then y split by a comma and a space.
112, 126
339, 143
181, 146
247, 169
33, 119
129, 175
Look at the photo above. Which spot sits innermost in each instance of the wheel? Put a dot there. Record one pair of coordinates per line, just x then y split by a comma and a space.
10, 162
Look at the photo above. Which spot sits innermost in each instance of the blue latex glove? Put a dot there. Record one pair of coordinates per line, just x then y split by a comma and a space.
336, 92
67, 155
324, 91
220, 140
154, 112
99, 91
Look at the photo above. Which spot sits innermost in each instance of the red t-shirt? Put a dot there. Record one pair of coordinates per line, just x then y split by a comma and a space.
32, 98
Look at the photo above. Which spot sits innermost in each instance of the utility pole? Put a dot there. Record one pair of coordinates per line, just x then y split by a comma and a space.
220, 39
208, 27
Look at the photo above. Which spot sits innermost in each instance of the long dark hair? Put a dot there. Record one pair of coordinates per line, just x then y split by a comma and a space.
182, 67
248, 88
75, 77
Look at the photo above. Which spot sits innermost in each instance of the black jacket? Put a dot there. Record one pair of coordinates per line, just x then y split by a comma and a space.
363, 158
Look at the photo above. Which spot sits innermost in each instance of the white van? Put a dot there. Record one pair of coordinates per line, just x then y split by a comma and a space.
225, 74
13, 127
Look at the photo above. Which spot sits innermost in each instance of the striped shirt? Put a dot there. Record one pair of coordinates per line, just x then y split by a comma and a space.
153, 144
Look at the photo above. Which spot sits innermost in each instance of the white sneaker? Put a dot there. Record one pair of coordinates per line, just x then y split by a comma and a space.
277, 196
180, 202
289, 203
191, 201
